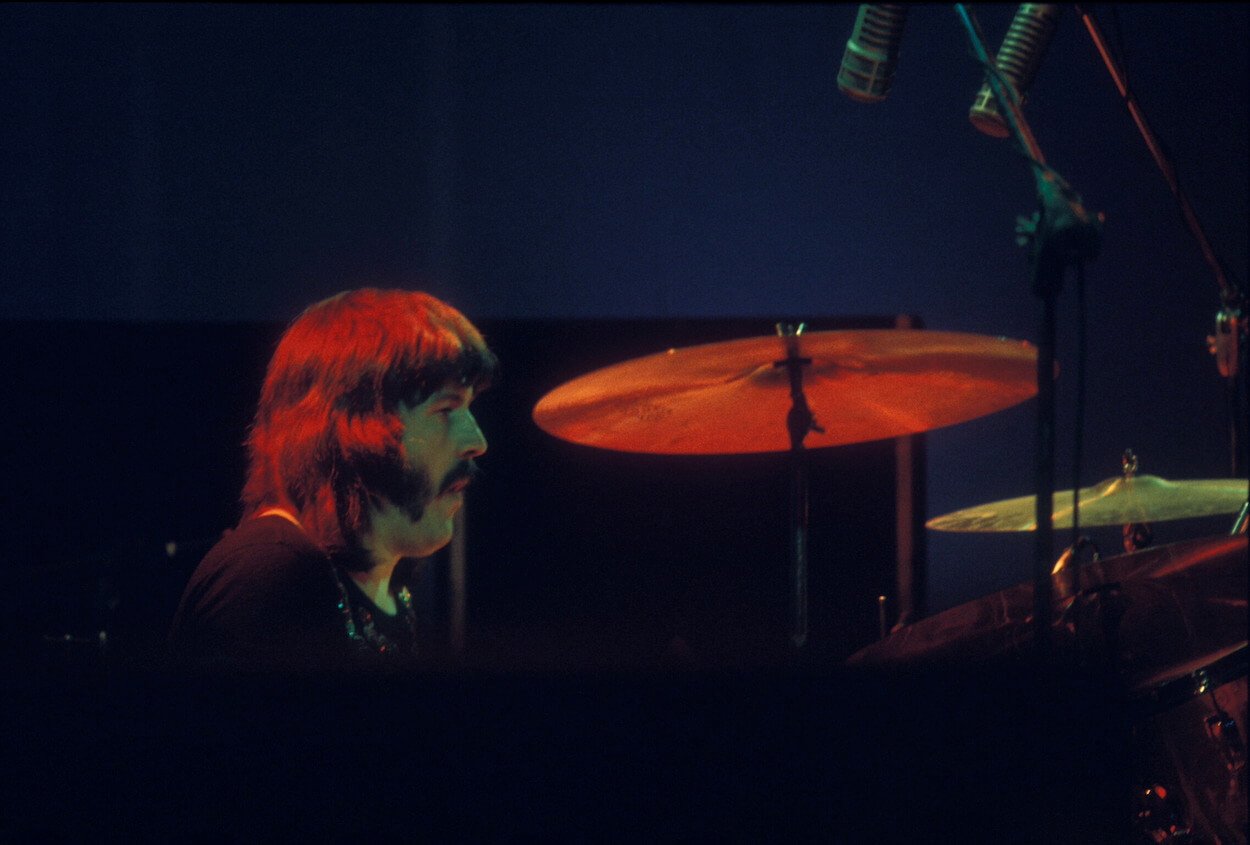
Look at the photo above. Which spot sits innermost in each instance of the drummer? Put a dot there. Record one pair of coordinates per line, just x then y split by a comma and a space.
362, 446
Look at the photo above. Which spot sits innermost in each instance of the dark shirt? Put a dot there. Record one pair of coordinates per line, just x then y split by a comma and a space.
266, 597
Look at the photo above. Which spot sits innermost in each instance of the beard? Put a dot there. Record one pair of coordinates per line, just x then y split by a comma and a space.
416, 492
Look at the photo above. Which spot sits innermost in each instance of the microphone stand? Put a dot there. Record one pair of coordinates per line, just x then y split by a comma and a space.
1061, 234
1229, 342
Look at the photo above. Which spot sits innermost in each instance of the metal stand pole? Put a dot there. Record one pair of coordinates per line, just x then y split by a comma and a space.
1062, 233
799, 421
1228, 343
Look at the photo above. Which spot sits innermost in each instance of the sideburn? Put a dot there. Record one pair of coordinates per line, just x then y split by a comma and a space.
386, 477
373, 481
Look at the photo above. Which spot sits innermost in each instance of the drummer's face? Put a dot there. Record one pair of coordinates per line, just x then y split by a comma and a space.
440, 442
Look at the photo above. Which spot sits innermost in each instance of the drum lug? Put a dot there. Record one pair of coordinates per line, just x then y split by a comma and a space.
1222, 728
1160, 816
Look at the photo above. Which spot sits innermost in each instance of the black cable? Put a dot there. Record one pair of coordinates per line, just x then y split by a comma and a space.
1078, 424
1237, 409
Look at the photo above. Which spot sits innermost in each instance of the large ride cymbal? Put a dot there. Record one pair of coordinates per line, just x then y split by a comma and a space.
732, 397
1116, 501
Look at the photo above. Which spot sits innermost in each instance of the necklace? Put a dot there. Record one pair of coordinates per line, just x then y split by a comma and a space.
365, 635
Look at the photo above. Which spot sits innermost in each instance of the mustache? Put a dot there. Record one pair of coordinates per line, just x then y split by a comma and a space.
462, 471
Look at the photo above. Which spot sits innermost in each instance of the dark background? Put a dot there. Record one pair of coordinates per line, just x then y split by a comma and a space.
203, 168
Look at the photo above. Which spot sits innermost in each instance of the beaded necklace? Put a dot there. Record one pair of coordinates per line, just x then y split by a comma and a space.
366, 636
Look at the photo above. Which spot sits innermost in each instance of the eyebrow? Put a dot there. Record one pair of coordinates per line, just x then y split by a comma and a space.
453, 394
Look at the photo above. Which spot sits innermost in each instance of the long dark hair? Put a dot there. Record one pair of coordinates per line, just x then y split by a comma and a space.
327, 441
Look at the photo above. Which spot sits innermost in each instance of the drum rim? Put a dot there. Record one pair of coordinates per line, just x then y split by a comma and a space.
1164, 694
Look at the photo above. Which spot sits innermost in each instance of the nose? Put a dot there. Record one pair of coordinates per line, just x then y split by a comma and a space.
472, 441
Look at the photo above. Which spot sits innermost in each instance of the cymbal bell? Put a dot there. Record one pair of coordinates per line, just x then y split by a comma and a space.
733, 397
1116, 501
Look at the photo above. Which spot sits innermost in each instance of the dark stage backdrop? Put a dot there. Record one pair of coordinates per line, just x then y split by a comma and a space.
130, 460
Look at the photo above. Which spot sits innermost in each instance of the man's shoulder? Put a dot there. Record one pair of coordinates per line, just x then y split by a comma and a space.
265, 535
265, 553
265, 591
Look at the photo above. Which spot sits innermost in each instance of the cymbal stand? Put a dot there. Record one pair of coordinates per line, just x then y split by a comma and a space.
1061, 233
1239, 524
1136, 535
799, 421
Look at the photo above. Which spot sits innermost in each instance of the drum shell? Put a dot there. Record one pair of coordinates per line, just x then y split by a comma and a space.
1167, 625
1145, 616
1189, 740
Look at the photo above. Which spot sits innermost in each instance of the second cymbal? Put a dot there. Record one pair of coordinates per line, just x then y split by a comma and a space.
732, 397
1116, 501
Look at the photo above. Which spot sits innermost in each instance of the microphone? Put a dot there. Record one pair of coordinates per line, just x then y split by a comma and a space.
1224, 343
872, 53
1023, 47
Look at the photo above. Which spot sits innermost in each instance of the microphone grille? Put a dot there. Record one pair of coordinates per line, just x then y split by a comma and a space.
1023, 47
872, 52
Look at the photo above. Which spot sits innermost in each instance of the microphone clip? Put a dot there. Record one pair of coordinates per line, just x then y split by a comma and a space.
1226, 343
1062, 233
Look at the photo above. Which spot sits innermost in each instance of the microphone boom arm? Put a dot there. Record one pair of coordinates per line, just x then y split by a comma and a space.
1232, 328
1230, 295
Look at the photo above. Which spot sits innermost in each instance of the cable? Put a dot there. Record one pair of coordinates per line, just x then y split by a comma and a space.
1078, 425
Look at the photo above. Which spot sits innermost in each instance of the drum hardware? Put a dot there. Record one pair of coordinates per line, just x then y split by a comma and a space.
1228, 343
799, 423
1131, 500
1160, 816
757, 395
1168, 623
1134, 535
1165, 690
1088, 619
1192, 751
1063, 234
1176, 604
1065, 576
1222, 728
1239, 524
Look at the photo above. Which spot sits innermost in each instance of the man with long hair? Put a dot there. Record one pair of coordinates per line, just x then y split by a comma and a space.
359, 455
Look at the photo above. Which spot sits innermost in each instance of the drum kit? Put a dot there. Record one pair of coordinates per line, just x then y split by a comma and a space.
1168, 621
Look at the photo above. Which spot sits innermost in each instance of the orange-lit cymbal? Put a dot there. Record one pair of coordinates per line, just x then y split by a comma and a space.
732, 398
1116, 501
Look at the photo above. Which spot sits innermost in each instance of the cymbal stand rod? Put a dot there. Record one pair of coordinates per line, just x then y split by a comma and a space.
1239, 525
798, 546
1044, 480
799, 421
